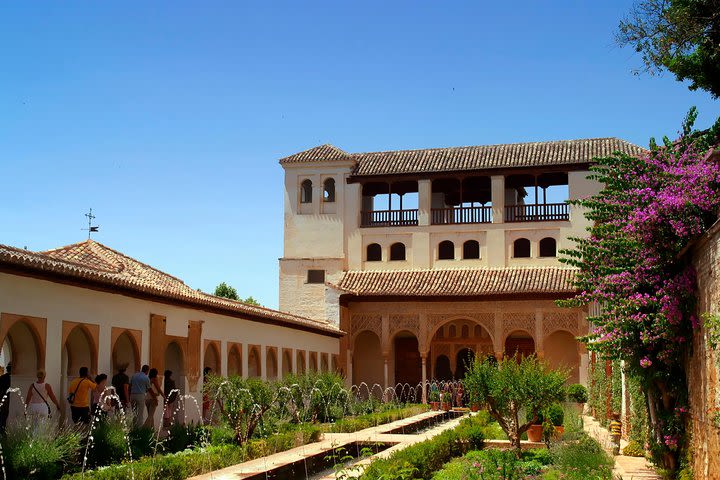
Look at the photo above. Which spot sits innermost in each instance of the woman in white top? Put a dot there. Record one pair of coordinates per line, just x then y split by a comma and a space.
39, 396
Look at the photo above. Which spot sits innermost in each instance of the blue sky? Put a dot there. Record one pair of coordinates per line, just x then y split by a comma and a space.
168, 118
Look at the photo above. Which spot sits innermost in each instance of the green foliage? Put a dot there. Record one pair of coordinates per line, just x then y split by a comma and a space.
633, 449
495, 465
514, 383
580, 460
616, 387
682, 36
315, 397
243, 402
109, 442
182, 436
226, 291
40, 450
251, 301
638, 411
711, 322
577, 393
353, 424
422, 459
142, 441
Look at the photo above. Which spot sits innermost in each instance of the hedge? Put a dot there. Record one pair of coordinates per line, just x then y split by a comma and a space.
354, 424
422, 459
181, 465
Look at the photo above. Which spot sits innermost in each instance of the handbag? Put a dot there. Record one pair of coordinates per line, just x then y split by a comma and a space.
71, 397
43, 399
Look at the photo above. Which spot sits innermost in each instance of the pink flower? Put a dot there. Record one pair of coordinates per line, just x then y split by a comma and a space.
645, 362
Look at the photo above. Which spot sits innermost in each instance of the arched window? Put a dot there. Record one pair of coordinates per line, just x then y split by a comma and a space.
521, 248
306, 191
446, 250
397, 251
329, 190
548, 247
374, 253
452, 331
471, 249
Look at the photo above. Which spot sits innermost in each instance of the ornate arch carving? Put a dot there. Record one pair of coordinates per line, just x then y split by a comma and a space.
365, 321
485, 320
555, 321
404, 321
513, 321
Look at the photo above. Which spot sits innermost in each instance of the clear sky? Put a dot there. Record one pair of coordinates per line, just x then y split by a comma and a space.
168, 118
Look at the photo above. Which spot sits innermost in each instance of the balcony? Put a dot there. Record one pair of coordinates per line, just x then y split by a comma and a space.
389, 218
545, 212
460, 215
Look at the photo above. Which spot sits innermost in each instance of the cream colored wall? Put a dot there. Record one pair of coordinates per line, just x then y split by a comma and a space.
58, 303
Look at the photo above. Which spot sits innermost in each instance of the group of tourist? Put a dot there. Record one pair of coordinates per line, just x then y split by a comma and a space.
88, 396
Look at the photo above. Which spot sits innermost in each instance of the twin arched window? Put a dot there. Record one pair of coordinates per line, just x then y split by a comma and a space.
306, 191
548, 247
374, 252
446, 250
521, 248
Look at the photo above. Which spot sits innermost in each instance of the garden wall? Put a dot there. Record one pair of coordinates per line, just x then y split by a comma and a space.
704, 362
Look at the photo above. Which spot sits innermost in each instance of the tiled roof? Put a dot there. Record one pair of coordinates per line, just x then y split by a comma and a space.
483, 157
323, 153
465, 282
95, 264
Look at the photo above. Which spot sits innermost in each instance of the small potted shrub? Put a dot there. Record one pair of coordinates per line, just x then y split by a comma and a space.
578, 395
434, 399
474, 402
535, 432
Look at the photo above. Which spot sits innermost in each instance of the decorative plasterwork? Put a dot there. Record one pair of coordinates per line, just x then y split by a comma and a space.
366, 321
518, 321
555, 321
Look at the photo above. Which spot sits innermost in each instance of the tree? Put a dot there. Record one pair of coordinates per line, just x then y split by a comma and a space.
633, 265
515, 384
251, 301
682, 36
226, 291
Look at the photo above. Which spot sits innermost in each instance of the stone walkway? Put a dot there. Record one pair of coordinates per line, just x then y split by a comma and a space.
626, 468
332, 441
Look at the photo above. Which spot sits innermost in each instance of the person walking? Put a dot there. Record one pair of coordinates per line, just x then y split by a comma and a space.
36, 400
152, 398
79, 396
5, 382
139, 386
171, 396
98, 399
121, 382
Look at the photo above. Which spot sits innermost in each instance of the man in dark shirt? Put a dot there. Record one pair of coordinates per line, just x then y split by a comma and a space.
121, 382
4, 387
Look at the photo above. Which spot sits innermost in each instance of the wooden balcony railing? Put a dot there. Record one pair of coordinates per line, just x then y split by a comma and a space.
389, 218
537, 213
451, 216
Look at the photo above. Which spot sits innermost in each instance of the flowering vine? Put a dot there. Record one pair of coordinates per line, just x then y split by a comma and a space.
631, 265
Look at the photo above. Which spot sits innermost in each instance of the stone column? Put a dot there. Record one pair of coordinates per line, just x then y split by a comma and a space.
423, 357
539, 339
349, 378
263, 361
385, 376
424, 201
497, 193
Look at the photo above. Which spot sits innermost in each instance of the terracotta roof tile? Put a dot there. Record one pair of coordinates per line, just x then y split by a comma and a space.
323, 153
466, 282
93, 262
483, 157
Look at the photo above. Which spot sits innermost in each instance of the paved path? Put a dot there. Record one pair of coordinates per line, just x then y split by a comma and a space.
332, 441
626, 468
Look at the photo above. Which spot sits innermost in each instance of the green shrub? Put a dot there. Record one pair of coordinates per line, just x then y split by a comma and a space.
110, 444
494, 465
353, 424
581, 459
577, 393
40, 450
422, 459
315, 397
184, 436
142, 441
633, 449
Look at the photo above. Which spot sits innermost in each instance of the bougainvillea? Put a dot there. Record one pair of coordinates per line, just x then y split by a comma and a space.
631, 265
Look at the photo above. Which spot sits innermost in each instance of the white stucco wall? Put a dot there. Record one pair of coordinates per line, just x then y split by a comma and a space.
57, 303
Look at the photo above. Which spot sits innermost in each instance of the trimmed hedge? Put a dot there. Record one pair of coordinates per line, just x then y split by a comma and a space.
354, 424
422, 459
181, 465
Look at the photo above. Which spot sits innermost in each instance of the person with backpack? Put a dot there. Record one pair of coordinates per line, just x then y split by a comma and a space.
38, 398
79, 396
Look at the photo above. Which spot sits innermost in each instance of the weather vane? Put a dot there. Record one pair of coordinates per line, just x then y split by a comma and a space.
91, 228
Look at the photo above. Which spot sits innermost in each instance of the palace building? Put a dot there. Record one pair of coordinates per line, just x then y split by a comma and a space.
426, 257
